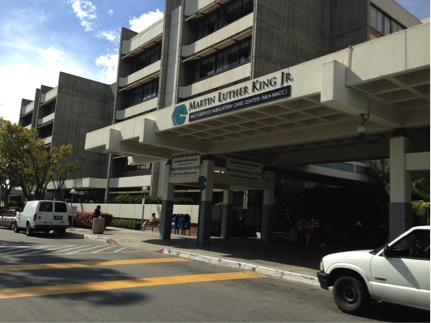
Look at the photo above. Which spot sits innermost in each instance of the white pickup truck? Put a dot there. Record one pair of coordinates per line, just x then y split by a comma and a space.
398, 272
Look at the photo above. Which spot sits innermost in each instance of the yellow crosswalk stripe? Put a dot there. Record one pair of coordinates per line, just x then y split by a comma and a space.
90, 264
6, 293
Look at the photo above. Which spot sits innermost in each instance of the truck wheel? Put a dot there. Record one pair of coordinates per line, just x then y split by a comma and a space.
350, 295
28, 230
16, 229
13, 226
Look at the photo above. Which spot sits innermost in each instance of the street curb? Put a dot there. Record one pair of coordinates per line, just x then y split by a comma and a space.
92, 237
266, 271
276, 273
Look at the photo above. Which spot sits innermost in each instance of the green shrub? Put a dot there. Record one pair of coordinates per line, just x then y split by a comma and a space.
183, 200
126, 224
137, 199
126, 199
153, 199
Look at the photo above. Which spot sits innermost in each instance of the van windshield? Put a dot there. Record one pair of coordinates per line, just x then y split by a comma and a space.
60, 207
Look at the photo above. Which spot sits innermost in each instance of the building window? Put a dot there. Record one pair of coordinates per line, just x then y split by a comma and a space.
383, 23
223, 60
147, 57
223, 17
362, 170
143, 92
344, 167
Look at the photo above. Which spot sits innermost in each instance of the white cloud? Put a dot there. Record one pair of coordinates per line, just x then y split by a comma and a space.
138, 24
110, 12
85, 10
110, 35
21, 79
52, 53
108, 67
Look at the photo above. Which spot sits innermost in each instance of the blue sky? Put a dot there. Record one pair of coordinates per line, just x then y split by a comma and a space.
38, 39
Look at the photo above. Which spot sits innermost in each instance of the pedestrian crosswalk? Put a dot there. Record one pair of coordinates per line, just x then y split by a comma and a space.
94, 284
29, 250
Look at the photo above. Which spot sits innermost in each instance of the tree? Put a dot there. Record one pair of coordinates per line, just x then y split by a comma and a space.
6, 184
27, 162
13, 146
380, 172
61, 166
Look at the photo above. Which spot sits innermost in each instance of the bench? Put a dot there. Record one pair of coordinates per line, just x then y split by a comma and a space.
151, 225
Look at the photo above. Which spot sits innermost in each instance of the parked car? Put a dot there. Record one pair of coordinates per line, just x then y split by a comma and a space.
398, 272
43, 216
8, 219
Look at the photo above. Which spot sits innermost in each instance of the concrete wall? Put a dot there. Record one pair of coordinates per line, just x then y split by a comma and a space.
298, 31
78, 97
134, 211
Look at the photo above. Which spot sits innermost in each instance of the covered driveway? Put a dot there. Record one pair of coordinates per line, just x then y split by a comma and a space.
382, 85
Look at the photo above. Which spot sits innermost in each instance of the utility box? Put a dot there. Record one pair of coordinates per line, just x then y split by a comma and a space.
98, 225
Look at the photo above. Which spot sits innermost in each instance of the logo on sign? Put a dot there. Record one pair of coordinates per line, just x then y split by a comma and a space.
179, 115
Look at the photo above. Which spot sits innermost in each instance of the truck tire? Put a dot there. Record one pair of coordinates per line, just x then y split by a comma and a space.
350, 295
28, 230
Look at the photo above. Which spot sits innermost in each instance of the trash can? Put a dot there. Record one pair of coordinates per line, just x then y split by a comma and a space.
98, 225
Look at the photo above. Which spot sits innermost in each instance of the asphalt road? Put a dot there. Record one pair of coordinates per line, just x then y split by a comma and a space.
53, 279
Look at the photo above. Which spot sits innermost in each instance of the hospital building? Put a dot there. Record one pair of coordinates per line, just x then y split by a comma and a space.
231, 101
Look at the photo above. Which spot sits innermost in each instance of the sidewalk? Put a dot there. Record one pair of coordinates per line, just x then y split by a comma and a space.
280, 259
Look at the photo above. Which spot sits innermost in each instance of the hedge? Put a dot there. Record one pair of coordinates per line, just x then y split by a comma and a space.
85, 219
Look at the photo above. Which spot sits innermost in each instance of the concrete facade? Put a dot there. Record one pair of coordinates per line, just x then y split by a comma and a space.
63, 115
278, 87
306, 76
295, 32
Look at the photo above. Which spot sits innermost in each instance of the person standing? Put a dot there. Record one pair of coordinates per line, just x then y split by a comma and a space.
303, 230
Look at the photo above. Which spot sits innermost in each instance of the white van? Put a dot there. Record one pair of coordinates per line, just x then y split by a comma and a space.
43, 216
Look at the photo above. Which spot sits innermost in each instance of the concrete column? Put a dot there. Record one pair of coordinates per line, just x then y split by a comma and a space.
227, 215
205, 208
400, 208
167, 205
267, 223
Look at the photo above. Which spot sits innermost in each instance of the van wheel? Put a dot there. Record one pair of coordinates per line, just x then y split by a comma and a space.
28, 230
16, 229
13, 226
350, 295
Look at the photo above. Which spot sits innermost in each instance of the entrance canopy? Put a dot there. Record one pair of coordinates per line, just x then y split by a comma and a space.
300, 115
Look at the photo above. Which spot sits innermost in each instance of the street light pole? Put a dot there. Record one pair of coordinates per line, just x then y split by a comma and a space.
72, 192
144, 195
